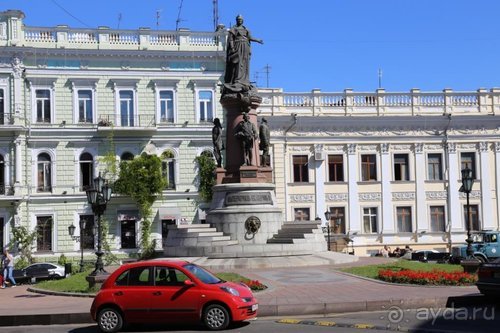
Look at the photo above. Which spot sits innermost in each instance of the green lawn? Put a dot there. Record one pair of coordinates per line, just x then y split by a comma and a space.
371, 271
76, 283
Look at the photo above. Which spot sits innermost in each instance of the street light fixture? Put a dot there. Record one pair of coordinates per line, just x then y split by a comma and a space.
71, 230
328, 215
467, 182
98, 197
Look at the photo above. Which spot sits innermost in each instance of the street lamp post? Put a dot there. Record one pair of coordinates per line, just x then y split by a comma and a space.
327, 217
470, 264
71, 230
98, 197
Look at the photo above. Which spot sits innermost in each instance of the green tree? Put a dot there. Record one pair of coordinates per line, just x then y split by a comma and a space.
142, 180
24, 240
206, 167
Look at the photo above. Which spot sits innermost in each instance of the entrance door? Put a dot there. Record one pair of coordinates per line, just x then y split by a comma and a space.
164, 230
128, 234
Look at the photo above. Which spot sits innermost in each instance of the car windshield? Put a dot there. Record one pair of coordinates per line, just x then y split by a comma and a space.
202, 274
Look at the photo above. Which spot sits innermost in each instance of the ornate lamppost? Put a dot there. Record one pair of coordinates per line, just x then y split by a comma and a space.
98, 197
71, 230
470, 264
328, 215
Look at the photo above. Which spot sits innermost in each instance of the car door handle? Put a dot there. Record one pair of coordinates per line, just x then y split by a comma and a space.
119, 293
157, 293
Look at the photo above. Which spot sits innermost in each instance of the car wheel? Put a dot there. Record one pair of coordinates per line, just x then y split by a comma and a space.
109, 320
216, 317
481, 259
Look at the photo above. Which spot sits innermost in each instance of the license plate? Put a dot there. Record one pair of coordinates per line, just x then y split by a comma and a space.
255, 307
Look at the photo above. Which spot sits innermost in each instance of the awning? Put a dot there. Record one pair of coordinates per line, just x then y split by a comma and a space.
169, 213
128, 215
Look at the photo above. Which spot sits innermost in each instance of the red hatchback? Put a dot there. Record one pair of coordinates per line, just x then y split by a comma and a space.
160, 291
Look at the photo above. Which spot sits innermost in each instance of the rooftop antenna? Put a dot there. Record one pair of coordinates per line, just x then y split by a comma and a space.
158, 15
179, 16
379, 78
119, 20
267, 70
216, 14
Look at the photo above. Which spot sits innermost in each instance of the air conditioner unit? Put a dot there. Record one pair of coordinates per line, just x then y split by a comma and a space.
319, 156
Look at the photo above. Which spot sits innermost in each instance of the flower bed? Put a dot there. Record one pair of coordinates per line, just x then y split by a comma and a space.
255, 285
434, 277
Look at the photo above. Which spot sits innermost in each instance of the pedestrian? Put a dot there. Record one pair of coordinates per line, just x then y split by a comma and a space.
8, 266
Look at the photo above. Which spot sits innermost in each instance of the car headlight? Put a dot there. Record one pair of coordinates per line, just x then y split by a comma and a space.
230, 290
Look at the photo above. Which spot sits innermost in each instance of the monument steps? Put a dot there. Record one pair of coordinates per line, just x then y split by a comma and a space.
297, 233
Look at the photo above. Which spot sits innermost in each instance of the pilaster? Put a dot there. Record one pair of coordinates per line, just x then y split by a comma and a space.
354, 210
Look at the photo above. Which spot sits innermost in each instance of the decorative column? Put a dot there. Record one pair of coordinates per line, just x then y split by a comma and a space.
319, 184
385, 171
455, 211
352, 165
486, 197
421, 216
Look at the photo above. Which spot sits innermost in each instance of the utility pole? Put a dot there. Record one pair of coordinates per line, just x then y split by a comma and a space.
267, 70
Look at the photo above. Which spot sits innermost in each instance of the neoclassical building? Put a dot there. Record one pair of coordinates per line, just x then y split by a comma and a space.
386, 165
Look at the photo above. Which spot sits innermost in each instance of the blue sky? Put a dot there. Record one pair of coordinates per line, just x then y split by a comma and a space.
326, 44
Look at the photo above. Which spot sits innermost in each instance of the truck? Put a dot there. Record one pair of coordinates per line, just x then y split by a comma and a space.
485, 245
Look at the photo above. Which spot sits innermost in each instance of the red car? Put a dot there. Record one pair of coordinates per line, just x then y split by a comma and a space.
161, 291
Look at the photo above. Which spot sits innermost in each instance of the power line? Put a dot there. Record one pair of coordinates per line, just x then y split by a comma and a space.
67, 12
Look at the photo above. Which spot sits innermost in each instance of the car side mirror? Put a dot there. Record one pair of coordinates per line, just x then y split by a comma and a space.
188, 283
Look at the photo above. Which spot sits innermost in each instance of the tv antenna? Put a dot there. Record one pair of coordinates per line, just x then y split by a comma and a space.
158, 15
267, 70
179, 16
379, 78
119, 20
216, 14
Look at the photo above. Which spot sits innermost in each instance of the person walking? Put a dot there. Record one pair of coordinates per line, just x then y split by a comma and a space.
8, 266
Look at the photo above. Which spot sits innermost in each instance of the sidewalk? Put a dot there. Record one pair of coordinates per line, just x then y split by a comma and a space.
293, 290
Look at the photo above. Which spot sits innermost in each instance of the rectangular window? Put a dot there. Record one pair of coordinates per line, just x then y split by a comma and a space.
43, 233
2, 107
127, 108
164, 230
468, 160
166, 106
337, 220
205, 100
42, 105
301, 214
434, 167
87, 233
335, 168
368, 167
401, 169
85, 112
370, 220
128, 240
474, 217
168, 170
300, 169
404, 219
437, 219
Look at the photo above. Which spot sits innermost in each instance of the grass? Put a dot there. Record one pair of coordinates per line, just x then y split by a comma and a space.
76, 283
371, 271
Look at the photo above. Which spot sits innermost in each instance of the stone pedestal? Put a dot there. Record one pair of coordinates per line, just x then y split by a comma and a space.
236, 208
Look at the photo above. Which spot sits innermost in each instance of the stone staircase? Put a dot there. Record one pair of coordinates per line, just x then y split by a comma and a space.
297, 233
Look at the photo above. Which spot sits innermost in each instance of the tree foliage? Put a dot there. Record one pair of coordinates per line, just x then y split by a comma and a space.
207, 166
24, 240
142, 180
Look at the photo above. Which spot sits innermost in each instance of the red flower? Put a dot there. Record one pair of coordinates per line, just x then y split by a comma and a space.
434, 277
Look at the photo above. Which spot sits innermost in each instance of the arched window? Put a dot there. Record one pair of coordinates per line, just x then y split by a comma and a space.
168, 168
86, 171
44, 173
127, 156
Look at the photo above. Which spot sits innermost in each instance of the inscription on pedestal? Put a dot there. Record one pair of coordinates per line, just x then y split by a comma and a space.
248, 173
254, 198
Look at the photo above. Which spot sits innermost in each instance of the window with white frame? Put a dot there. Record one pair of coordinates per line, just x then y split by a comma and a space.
437, 218
434, 167
302, 214
44, 227
86, 171
85, 106
370, 220
43, 105
475, 225
468, 160
404, 219
166, 104
368, 167
335, 168
300, 168
87, 233
168, 168
44, 173
126, 108
205, 105
401, 167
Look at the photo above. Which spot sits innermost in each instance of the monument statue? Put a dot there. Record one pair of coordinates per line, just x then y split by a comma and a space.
247, 134
236, 78
264, 137
217, 141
